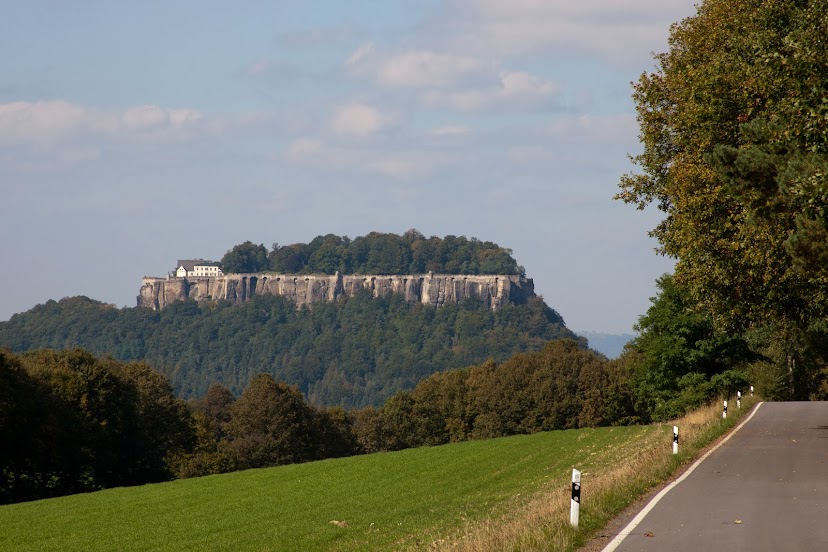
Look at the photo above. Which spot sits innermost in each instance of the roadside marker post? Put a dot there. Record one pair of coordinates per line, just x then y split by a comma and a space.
738, 399
724, 411
675, 439
751, 390
575, 509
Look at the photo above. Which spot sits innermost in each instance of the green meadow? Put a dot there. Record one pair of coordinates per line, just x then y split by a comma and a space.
406, 499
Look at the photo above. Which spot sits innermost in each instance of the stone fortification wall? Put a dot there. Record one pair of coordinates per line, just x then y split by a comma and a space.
306, 289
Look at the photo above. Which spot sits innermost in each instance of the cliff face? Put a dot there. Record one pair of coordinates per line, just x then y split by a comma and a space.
306, 289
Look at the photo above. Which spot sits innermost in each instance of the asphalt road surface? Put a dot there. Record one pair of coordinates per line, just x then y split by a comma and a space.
765, 489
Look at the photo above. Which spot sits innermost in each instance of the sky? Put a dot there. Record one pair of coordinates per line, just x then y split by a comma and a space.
134, 134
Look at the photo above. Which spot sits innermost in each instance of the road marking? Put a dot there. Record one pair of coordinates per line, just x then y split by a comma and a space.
614, 543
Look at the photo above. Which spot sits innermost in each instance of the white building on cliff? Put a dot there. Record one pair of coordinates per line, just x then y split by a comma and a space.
198, 268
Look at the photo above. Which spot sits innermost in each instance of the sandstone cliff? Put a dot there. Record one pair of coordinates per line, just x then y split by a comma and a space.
306, 289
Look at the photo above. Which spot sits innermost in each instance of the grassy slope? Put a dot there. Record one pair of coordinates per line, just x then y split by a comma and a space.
387, 500
406, 499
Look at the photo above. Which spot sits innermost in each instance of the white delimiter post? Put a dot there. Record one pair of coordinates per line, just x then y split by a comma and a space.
739, 399
751, 390
675, 439
575, 509
724, 411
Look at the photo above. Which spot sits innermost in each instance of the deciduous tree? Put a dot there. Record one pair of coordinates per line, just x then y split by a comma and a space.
245, 258
734, 124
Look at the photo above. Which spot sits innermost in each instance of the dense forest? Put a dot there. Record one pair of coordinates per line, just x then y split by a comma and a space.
353, 352
376, 253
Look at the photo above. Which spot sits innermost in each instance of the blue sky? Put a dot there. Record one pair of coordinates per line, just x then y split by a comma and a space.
133, 134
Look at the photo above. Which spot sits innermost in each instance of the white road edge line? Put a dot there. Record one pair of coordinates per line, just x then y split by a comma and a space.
619, 538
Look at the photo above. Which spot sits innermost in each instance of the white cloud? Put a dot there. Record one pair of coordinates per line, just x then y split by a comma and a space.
514, 90
618, 31
304, 147
417, 68
53, 121
40, 122
450, 130
258, 68
426, 69
360, 54
146, 117
357, 119
397, 164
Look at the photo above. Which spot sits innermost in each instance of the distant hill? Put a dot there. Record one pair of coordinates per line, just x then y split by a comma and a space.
353, 352
610, 345
353, 349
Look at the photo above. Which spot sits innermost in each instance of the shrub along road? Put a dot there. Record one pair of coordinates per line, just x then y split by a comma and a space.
764, 489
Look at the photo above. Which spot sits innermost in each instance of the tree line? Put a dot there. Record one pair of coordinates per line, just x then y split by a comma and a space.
376, 253
72, 422
560, 387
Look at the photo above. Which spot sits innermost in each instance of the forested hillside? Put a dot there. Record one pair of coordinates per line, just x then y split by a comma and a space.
352, 352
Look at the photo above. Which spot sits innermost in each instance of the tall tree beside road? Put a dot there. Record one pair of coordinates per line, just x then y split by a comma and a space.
680, 351
734, 123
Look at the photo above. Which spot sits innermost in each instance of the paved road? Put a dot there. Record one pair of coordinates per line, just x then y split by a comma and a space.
766, 489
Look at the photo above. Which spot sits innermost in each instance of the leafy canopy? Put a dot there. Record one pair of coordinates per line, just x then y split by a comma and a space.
679, 353
244, 258
734, 124
378, 253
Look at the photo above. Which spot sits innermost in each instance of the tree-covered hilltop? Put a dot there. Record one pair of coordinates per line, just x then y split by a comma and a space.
351, 352
376, 253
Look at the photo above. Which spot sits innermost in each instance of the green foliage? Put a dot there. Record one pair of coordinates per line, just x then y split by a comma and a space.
70, 423
729, 382
269, 425
560, 387
245, 257
735, 134
354, 352
679, 351
378, 253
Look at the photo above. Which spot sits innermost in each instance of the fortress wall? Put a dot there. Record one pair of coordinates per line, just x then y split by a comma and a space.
306, 289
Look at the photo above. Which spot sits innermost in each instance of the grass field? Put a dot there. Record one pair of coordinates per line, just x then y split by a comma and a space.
481, 495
